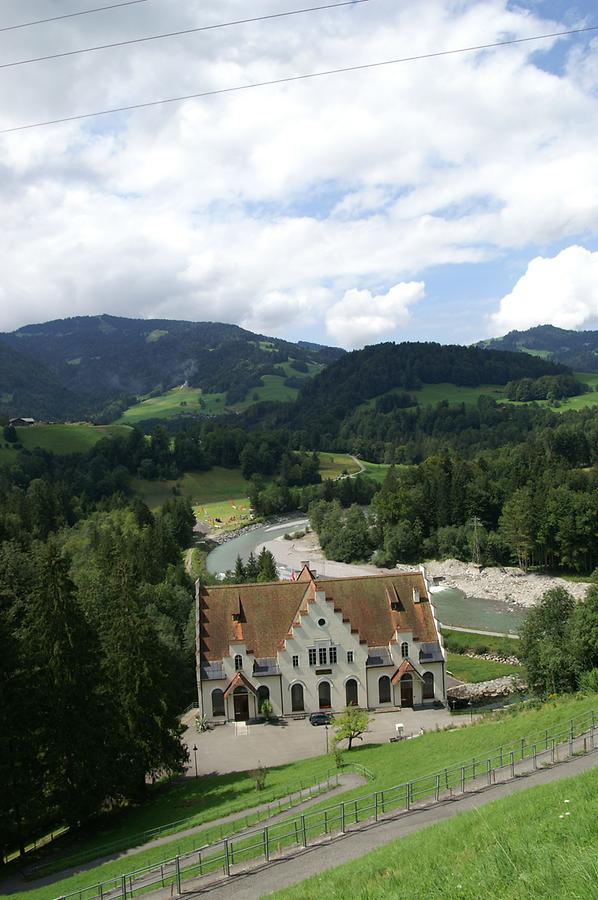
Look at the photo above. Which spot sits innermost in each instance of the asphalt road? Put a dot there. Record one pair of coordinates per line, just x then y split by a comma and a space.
268, 878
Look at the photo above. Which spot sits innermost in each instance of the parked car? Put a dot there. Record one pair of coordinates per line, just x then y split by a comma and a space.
320, 718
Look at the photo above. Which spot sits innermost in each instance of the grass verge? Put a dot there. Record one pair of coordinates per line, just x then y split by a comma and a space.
471, 669
539, 843
391, 764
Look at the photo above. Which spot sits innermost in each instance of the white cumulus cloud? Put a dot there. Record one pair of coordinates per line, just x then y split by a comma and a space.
361, 318
561, 290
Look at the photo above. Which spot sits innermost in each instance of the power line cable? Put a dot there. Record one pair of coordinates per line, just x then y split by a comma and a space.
83, 12
170, 34
291, 78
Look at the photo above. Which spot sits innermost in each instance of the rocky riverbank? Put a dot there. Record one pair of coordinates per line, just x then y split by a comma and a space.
485, 691
507, 583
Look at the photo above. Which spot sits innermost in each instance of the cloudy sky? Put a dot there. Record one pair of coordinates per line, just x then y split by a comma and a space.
448, 199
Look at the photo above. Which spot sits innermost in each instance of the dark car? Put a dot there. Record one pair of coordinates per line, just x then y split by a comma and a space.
320, 718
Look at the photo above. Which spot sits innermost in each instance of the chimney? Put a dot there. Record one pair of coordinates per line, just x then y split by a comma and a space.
304, 563
416, 595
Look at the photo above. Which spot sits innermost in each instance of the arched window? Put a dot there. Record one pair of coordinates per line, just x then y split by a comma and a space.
384, 689
217, 702
263, 693
238, 662
297, 703
428, 690
324, 695
351, 692
405, 650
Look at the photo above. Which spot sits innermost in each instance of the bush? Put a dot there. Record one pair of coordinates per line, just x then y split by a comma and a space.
259, 775
588, 683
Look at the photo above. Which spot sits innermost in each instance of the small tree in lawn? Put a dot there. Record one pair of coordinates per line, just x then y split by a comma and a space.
351, 725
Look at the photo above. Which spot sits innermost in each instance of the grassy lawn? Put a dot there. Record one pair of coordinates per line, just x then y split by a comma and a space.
539, 843
189, 803
465, 668
378, 471
461, 642
60, 439
391, 764
334, 464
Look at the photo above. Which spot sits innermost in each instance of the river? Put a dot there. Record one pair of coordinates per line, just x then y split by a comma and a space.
453, 607
225, 555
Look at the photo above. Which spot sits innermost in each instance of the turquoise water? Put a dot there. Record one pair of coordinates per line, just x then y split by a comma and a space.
224, 557
453, 607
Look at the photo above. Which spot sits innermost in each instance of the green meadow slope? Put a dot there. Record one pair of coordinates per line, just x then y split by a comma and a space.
536, 844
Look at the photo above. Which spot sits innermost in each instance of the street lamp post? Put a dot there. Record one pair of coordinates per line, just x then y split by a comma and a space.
326, 727
195, 757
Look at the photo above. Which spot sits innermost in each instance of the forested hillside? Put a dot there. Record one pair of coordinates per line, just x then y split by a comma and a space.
100, 365
368, 402
27, 384
577, 349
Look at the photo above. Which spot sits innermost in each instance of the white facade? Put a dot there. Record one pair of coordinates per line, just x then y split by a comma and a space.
323, 664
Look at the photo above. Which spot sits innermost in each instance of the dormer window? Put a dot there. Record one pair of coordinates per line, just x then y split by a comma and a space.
238, 662
405, 650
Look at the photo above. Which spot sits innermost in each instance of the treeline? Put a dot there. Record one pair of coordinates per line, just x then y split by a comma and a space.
277, 497
559, 643
548, 387
96, 648
529, 504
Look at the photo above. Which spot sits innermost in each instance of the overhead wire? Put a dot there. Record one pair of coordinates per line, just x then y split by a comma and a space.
73, 15
180, 33
292, 78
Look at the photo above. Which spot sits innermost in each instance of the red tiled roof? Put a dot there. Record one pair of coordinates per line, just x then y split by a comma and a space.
271, 610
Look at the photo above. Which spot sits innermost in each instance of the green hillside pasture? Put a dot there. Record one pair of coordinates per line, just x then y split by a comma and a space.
215, 486
60, 439
166, 406
377, 471
538, 843
333, 465
271, 388
391, 764
431, 394
470, 669
568, 403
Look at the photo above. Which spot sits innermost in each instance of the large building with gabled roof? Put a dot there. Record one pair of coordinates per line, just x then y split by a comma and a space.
317, 644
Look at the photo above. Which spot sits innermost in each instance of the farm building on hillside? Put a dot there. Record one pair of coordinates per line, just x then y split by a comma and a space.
317, 644
21, 422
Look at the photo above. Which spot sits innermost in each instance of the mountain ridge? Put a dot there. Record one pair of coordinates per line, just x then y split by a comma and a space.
576, 349
104, 363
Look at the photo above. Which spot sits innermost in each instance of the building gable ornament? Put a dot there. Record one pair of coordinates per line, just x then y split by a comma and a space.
239, 680
406, 668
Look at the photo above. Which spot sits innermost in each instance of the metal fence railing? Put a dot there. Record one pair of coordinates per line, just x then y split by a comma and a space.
578, 736
281, 799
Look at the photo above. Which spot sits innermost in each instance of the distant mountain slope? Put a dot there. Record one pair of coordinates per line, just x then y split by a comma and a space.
337, 401
29, 388
106, 360
577, 349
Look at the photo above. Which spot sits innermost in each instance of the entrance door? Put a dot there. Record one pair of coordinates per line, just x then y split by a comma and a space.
241, 701
406, 690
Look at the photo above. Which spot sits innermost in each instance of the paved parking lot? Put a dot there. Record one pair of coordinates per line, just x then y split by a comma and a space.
222, 751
